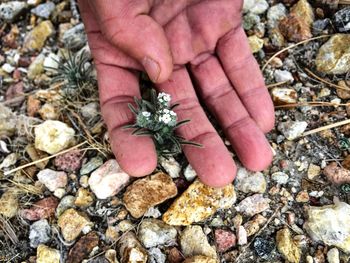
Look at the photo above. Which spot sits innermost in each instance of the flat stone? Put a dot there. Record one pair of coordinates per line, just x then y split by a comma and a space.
91, 165
334, 56
39, 233
35, 39
45, 254
153, 232
82, 248
148, 192
287, 247
53, 136
284, 96
44, 208
11, 10
52, 179
9, 203
253, 205
250, 182
330, 225
108, 179
336, 174
194, 242
44, 10
131, 250
75, 37
204, 202
72, 223
292, 129
200, 259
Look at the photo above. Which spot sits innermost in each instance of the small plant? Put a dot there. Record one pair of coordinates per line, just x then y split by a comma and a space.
156, 118
344, 143
74, 72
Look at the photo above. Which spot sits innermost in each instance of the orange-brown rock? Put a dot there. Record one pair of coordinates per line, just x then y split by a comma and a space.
83, 248
336, 174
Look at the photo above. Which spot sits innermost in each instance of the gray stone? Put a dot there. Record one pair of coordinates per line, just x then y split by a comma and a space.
342, 20
255, 6
253, 205
9, 11
280, 177
153, 232
275, 14
91, 165
66, 202
250, 182
44, 10
90, 110
292, 129
156, 255
75, 38
250, 20
283, 76
39, 233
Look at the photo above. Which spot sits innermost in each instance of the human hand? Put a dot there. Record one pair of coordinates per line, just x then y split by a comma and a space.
162, 37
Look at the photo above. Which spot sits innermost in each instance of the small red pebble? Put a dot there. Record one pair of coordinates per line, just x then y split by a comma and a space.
70, 161
224, 239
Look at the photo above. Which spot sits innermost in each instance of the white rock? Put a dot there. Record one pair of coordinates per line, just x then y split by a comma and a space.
275, 14
255, 6
59, 192
51, 62
9, 160
333, 255
250, 182
253, 205
108, 179
153, 232
10, 10
153, 212
90, 110
292, 129
171, 166
52, 179
330, 224
242, 237
194, 242
283, 76
280, 177
156, 255
189, 173
53, 136
40, 233
8, 68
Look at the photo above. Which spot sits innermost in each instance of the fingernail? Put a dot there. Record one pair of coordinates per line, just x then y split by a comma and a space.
152, 68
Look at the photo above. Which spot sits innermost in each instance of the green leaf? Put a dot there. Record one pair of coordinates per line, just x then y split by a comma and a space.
132, 108
181, 123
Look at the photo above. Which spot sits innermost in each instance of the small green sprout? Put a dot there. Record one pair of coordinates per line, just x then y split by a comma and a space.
156, 118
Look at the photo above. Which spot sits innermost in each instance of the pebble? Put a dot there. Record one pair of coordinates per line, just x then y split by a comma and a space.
204, 200
342, 20
59, 192
250, 182
125, 225
156, 255
194, 242
36, 67
72, 223
255, 6
189, 173
44, 10
224, 239
280, 178
200, 259
52, 179
255, 43
275, 14
148, 192
8, 68
84, 198
82, 248
131, 249
36, 38
153, 232
171, 166
302, 197
333, 255
283, 76
69, 161
11, 10
9, 203
90, 110
53, 136
45, 254
91, 165
51, 62
334, 56
292, 129
108, 179
313, 171
8, 121
250, 20
9, 160
330, 224
242, 236
65, 203
283, 96
263, 247
75, 37
287, 247
153, 212
39, 233
336, 174
44, 208
342, 93
253, 226
48, 112
304, 10
253, 205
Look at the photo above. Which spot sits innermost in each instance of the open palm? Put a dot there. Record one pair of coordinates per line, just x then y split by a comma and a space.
171, 40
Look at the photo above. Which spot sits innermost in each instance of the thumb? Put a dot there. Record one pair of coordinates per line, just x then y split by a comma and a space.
125, 24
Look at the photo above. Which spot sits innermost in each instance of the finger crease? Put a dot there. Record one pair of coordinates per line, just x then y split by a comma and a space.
242, 122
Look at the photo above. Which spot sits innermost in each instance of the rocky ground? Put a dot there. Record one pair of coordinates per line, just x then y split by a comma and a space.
63, 198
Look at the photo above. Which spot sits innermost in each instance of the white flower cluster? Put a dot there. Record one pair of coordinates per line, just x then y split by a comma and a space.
146, 114
168, 117
164, 98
